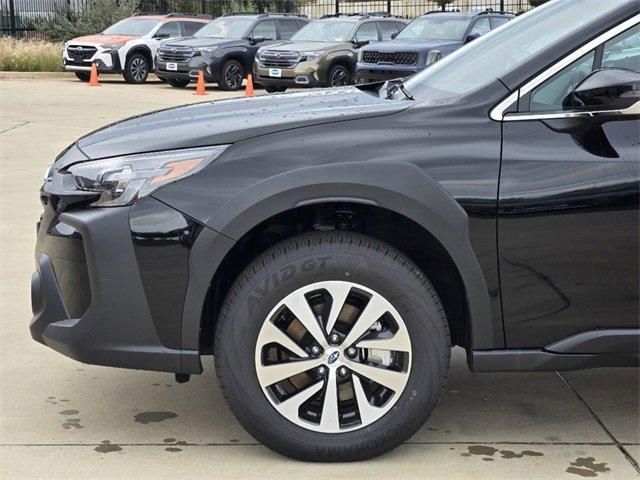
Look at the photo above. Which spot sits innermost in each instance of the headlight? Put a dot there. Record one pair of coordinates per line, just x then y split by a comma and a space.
205, 50
123, 180
433, 56
112, 46
309, 56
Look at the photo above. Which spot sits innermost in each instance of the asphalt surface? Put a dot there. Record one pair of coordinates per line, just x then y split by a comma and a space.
63, 419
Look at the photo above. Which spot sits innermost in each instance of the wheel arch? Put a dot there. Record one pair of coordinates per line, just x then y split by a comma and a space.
400, 190
143, 49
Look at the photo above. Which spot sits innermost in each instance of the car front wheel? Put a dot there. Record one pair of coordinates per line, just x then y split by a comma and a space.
83, 76
339, 76
136, 69
332, 346
231, 76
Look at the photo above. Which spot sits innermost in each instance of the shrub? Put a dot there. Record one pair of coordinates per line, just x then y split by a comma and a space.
537, 3
29, 55
65, 24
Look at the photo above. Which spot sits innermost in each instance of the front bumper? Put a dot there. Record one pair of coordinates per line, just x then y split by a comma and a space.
107, 291
106, 62
368, 73
188, 70
304, 74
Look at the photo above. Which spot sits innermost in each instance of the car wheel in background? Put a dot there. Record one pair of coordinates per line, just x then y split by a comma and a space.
231, 76
83, 76
339, 76
332, 346
272, 89
178, 83
136, 69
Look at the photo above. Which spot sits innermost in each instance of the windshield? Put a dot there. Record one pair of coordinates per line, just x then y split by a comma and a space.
436, 27
324, 31
494, 54
132, 26
226, 27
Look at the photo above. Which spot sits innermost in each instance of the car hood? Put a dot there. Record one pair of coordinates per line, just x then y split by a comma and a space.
305, 46
411, 45
198, 42
103, 39
229, 121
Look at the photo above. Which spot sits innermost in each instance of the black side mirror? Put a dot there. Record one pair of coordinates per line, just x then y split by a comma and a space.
256, 40
394, 35
161, 35
606, 89
359, 43
471, 37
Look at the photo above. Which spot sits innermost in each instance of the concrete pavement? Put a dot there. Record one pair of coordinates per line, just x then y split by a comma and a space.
63, 419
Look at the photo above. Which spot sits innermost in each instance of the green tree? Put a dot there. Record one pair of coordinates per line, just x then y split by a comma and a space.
443, 3
537, 3
65, 23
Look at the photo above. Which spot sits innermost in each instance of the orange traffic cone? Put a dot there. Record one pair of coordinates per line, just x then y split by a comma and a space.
200, 85
249, 90
93, 80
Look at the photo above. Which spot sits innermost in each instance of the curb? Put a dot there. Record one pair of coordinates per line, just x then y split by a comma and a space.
33, 75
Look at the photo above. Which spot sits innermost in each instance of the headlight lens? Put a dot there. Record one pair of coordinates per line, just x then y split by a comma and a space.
309, 56
123, 180
112, 46
433, 56
205, 50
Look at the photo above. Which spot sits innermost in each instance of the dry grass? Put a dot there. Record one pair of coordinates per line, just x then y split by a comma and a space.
29, 55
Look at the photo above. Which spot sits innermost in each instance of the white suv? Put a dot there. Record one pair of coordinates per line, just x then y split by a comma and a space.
129, 46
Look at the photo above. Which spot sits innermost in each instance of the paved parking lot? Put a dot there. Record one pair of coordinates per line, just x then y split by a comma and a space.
62, 419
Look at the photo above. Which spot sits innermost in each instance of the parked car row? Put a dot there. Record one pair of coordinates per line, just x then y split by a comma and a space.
283, 50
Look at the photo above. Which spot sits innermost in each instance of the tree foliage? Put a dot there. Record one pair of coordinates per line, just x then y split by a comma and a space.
65, 24
537, 3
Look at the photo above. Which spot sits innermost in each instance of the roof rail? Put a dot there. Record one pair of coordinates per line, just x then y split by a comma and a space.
265, 14
359, 14
454, 10
197, 15
490, 10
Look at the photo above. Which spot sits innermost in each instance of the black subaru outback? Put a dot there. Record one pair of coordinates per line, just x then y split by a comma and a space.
224, 50
330, 247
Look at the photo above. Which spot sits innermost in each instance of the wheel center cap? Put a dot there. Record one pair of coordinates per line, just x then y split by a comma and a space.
332, 357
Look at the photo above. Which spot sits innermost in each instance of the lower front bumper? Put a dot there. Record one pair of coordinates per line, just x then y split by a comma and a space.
366, 74
105, 63
114, 324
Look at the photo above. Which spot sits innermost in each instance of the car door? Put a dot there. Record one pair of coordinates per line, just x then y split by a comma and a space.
287, 27
265, 29
367, 32
170, 29
387, 29
479, 27
568, 209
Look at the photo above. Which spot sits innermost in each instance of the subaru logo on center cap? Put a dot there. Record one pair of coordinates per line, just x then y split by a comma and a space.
333, 357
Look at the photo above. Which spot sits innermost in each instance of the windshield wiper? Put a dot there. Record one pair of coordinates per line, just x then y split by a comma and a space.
392, 86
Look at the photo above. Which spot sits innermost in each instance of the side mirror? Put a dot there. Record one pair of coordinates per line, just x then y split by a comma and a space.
161, 35
606, 89
256, 40
394, 35
359, 43
471, 37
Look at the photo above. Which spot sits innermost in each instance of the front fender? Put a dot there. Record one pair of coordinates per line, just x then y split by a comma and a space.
399, 186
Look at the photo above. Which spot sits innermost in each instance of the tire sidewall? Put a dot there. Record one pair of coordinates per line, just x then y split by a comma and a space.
254, 299
128, 76
332, 71
223, 82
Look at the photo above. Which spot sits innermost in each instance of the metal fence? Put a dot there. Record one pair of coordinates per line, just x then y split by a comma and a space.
16, 15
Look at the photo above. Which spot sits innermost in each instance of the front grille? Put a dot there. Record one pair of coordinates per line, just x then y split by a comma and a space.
170, 53
80, 53
274, 59
395, 58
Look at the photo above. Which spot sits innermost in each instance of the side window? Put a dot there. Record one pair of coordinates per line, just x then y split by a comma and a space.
481, 27
367, 33
266, 30
497, 21
551, 94
288, 28
189, 28
623, 51
401, 26
387, 29
171, 28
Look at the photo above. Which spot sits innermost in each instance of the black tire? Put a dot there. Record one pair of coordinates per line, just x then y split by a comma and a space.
178, 83
83, 76
274, 89
339, 76
231, 75
136, 69
326, 256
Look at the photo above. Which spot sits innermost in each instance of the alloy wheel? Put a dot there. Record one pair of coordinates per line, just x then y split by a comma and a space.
333, 357
138, 69
233, 75
339, 77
